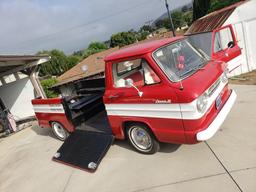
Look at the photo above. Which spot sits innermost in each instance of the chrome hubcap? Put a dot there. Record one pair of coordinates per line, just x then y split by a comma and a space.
59, 130
141, 138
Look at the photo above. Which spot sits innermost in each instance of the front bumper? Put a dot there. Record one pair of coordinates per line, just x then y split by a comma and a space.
217, 122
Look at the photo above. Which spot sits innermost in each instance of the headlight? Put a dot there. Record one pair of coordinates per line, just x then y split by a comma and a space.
224, 77
202, 103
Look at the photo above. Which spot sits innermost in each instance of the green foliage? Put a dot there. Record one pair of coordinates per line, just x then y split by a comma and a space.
200, 8
94, 47
78, 53
142, 35
72, 60
57, 64
178, 20
163, 23
146, 28
47, 84
184, 8
122, 39
97, 46
188, 17
219, 4
203, 7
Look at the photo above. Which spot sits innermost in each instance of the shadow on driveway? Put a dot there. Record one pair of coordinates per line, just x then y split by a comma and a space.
43, 131
164, 147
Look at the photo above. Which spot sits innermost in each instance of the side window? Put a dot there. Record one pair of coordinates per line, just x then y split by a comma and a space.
137, 70
149, 75
222, 39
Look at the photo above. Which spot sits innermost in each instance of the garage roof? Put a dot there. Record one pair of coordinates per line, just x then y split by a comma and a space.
14, 63
213, 20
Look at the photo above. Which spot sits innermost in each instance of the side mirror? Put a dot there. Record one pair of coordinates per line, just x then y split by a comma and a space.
231, 44
129, 83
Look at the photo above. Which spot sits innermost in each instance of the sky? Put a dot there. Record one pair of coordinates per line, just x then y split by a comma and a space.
29, 26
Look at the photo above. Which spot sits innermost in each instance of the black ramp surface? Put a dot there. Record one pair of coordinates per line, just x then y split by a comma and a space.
84, 149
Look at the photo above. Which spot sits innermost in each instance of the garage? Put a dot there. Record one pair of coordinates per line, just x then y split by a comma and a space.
19, 84
242, 17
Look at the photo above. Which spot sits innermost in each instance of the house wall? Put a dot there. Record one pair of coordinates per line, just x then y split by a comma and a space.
17, 96
243, 20
67, 90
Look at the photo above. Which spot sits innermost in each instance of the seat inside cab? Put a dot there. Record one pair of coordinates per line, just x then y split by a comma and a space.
137, 70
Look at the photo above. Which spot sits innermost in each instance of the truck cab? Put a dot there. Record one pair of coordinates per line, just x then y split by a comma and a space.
165, 91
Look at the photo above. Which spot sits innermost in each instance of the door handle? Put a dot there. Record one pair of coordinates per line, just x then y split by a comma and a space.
115, 96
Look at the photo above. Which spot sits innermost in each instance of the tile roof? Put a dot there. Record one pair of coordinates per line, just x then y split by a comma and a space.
213, 20
96, 64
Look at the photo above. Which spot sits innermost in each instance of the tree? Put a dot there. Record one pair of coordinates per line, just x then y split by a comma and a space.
146, 28
94, 47
188, 17
200, 8
122, 39
72, 60
219, 4
184, 8
78, 53
97, 46
178, 20
163, 23
57, 65
47, 84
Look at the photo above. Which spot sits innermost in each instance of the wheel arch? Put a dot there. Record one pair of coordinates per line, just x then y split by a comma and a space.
126, 124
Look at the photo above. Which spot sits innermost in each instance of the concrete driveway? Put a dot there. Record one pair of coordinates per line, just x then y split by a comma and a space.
225, 163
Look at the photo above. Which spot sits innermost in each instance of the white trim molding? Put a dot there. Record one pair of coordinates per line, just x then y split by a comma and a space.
217, 122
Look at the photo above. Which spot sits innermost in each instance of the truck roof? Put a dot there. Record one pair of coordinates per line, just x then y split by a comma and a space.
140, 49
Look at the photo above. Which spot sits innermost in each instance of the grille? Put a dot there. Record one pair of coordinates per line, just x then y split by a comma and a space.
213, 88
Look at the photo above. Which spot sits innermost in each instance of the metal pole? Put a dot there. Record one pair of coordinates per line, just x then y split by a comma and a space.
170, 18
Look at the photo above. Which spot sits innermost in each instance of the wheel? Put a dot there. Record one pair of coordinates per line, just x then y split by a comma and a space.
141, 138
59, 131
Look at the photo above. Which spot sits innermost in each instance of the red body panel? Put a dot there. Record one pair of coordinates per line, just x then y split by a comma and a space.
192, 127
169, 130
166, 120
227, 54
46, 117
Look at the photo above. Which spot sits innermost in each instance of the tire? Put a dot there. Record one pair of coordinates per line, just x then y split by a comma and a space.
142, 139
59, 131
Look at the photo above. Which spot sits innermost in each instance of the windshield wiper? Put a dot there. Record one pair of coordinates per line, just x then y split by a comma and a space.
199, 67
189, 71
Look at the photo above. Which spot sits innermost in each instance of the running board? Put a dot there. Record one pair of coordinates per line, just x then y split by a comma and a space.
84, 150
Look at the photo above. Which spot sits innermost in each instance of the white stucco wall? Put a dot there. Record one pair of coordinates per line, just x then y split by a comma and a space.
67, 90
17, 97
243, 20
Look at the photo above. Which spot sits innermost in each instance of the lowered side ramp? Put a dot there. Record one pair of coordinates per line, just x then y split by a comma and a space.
84, 149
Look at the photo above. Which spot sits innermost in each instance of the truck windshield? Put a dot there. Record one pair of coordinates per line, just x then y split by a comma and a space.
179, 60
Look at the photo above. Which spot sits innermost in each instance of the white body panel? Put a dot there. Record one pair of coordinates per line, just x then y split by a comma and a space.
171, 111
243, 20
17, 97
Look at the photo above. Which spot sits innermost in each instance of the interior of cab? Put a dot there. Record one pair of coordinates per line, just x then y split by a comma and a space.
137, 70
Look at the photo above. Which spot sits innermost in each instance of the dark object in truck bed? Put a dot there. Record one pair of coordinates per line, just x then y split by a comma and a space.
91, 86
84, 101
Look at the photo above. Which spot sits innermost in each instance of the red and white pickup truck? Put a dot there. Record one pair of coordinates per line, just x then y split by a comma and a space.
160, 91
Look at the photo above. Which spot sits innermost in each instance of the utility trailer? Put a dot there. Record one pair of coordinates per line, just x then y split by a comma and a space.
161, 91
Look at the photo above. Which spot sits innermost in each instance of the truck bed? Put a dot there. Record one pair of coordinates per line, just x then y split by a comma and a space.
97, 123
